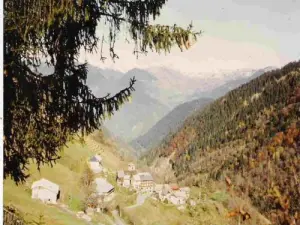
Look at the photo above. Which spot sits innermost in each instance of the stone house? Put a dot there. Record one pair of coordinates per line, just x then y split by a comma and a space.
104, 189
45, 190
95, 163
143, 182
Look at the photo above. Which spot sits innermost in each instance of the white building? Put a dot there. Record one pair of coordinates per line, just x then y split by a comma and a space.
104, 189
95, 163
173, 194
131, 167
126, 181
45, 190
143, 182
177, 200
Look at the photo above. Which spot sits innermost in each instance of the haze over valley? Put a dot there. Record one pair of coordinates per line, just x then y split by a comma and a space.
158, 91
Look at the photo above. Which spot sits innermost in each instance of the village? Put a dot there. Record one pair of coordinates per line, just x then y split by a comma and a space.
130, 178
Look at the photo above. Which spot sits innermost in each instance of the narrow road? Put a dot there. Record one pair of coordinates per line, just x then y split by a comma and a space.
118, 220
140, 199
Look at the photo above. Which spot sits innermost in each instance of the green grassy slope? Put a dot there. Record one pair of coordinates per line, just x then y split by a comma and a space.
66, 173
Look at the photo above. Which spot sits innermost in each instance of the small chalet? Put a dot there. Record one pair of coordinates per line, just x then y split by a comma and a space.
95, 163
131, 167
143, 182
104, 189
45, 190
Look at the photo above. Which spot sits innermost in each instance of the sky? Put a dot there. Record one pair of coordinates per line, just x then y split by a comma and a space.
237, 34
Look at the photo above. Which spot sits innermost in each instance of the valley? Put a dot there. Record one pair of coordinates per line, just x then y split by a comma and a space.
220, 176
155, 112
158, 92
219, 163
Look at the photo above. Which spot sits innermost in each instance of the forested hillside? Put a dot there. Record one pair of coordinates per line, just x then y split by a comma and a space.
169, 123
251, 137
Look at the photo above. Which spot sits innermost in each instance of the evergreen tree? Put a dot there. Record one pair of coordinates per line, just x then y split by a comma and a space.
44, 111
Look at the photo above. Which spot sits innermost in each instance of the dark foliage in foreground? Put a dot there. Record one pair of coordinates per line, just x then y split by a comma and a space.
43, 111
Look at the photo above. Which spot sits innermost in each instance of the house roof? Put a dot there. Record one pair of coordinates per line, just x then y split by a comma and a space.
174, 187
102, 186
46, 184
96, 158
143, 177
120, 174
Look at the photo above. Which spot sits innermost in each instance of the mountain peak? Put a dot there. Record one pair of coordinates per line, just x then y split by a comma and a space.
140, 74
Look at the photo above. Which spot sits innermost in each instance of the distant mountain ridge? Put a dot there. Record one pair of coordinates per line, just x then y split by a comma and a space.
158, 91
169, 123
231, 84
175, 118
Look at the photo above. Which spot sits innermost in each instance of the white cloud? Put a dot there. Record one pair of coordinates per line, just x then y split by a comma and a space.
226, 44
207, 55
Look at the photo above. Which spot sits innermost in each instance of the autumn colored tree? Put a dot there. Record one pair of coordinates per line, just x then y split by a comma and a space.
87, 177
42, 112
88, 188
